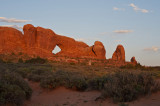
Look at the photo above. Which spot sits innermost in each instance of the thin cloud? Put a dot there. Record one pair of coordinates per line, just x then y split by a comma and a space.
13, 26
153, 48
80, 39
122, 31
86, 39
118, 9
118, 40
12, 20
136, 8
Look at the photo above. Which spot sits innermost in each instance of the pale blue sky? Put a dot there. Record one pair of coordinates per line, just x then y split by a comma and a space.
133, 23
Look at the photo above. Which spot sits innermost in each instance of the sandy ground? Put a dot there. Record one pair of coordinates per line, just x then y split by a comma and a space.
66, 97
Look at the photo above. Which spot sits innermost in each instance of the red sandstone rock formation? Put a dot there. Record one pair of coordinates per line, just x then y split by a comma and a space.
119, 54
29, 35
11, 40
71, 48
38, 41
133, 60
99, 49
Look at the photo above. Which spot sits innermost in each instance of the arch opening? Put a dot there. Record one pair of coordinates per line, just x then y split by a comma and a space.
56, 50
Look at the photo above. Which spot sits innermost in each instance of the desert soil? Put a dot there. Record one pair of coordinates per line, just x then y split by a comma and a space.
67, 97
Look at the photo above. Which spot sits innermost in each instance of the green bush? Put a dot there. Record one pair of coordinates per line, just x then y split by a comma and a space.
126, 86
13, 88
36, 60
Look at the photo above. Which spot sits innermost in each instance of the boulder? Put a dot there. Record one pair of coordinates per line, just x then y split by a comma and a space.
133, 60
119, 54
99, 50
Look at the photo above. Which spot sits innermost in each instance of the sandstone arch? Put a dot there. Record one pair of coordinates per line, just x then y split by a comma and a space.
38, 41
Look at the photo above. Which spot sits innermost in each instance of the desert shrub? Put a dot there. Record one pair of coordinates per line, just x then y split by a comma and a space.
93, 63
54, 79
11, 94
70, 79
123, 104
128, 66
83, 63
64, 78
126, 86
49, 82
2, 61
58, 78
9, 61
77, 82
12, 53
23, 71
72, 63
38, 74
36, 60
20, 53
131, 66
20, 60
34, 72
34, 77
97, 83
14, 89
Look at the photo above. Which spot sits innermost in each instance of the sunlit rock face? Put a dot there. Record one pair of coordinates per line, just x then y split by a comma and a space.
119, 54
38, 41
11, 40
133, 60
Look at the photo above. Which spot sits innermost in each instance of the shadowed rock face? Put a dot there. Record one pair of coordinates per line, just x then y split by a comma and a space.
37, 41
119, 54
133, 60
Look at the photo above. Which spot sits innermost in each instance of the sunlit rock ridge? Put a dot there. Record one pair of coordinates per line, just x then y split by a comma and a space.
38, 41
